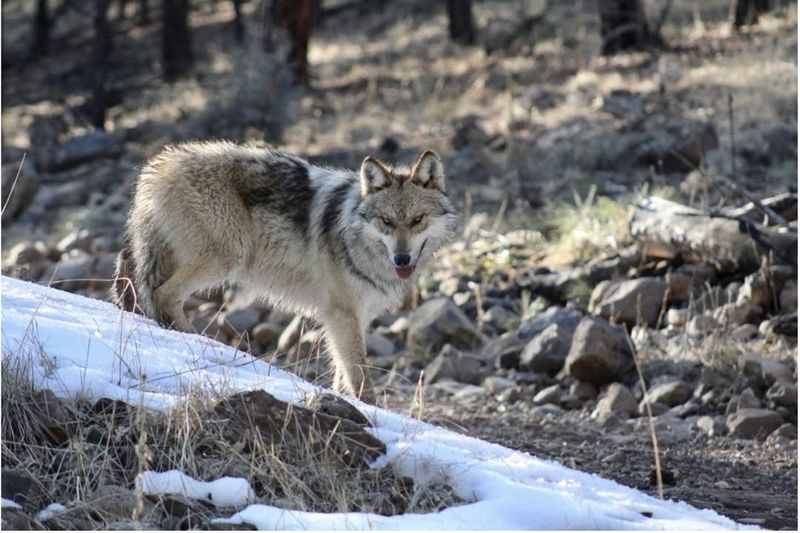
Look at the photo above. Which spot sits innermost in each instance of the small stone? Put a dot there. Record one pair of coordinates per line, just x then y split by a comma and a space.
452, 285
744, 333
551, 394
677, 317
500, 318
378, 346
785, 431
710, 425
91, 145
470, 393
78, 239
617, 398
438, 322
498, 384
762, 371
738, 313
632, 301
656, 408
454, 364
670, 394
753, 423
267, 333
583, 390
699, 325
788, 297
783, 393
552, 315
747, 400
240, 320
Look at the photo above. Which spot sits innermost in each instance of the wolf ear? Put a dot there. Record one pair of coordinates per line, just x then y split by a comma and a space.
374, 176
429, 171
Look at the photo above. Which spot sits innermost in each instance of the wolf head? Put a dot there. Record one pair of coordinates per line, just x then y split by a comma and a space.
408, 215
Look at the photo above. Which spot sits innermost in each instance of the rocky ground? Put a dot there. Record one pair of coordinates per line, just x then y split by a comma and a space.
529, 329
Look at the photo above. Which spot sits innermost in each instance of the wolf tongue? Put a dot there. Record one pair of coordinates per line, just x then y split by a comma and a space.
404, 272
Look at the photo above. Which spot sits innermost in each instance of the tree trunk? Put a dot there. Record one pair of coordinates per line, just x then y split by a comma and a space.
731, 245
99, 64
176, 42
459, 13
41, 29
623, 26
296, 17
745, 12
144, 13
238, 23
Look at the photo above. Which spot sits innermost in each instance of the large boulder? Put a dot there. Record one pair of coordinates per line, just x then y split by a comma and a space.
631, 301
600, 352
456, 365
617, 398
671, 393
438, 322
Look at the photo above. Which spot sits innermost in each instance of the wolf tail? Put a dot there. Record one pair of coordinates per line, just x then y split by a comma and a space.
142, 266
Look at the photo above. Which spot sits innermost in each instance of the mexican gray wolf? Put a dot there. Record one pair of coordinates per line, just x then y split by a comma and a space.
335, 245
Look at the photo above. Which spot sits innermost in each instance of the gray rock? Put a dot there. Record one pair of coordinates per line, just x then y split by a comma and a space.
378, 346
762, 371
631, 301
452, 285
783, 393
498, 384
583, 390
92, 145
547, 351
785, 431
600, 352
469, 394
756, 290
15, 519
25, 253
699, 325
711, 426
621, 103
671, 394
267, 333
551, 394
241, 319
677, 318
453, 364
753, 423
738, 313
503, 351
617, 398
438, 322
18, 486
656, 408
73, 272
747, 400
27, 184
788, 297
553, 315
500, 318
744, 332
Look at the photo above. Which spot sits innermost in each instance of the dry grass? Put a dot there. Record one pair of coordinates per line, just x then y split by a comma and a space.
75, 452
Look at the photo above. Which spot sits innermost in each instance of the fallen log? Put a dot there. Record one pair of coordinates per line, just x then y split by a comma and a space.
668, 229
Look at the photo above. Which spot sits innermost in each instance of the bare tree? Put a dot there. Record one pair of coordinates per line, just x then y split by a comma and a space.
623, 26
41, 28
238, 23
99, 63
295, 18
744, 12
462, 27
176, 39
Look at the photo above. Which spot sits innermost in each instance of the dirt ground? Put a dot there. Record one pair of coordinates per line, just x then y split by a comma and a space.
748, 481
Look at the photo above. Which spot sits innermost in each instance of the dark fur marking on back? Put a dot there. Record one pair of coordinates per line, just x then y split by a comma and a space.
284, 188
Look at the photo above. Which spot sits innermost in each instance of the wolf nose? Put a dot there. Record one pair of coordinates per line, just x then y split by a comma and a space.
402, 259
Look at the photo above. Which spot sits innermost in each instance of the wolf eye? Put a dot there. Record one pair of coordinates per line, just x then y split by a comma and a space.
386, 221
417, 219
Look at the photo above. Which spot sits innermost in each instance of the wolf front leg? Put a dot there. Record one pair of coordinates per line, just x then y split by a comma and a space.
346, 343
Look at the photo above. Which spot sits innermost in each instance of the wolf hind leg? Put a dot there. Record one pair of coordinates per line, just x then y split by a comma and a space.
171, 295
346, 343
